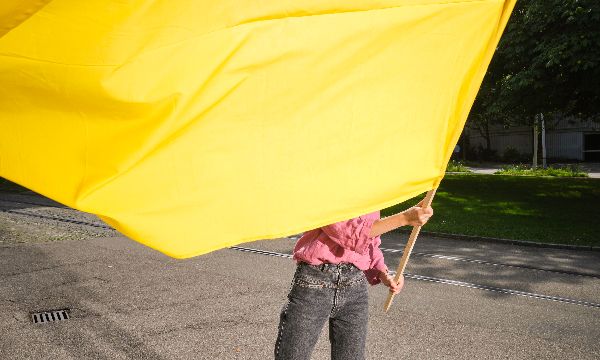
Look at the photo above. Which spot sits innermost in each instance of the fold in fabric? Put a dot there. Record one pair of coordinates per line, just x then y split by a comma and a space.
190, 126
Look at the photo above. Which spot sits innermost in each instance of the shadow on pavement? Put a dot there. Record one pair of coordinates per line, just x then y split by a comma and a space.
33, 281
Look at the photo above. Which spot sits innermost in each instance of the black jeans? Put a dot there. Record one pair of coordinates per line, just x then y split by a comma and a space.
318, 293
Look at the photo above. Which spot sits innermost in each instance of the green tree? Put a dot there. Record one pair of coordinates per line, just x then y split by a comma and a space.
548, 61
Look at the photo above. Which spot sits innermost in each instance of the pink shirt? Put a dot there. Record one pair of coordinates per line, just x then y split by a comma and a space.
346, 241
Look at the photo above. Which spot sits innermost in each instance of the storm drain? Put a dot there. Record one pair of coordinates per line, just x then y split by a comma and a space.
47, 316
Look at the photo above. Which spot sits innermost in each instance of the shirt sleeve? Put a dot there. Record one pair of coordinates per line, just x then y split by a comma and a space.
351, 234
377, 263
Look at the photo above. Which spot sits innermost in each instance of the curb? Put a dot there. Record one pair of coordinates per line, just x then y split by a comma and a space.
503, 241
530, 176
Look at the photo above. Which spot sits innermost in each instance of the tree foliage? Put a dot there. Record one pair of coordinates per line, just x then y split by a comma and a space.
548, 61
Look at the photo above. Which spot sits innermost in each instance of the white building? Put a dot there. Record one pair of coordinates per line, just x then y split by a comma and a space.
566, 139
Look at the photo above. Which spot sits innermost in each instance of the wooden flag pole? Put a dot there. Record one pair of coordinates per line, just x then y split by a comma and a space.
408, 248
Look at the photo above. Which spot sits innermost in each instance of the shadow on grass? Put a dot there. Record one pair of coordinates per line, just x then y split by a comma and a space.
547, 210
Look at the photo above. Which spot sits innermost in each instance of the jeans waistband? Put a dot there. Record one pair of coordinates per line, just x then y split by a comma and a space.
332, 267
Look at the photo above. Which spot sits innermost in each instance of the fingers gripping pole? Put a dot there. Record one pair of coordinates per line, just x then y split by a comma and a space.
408, 248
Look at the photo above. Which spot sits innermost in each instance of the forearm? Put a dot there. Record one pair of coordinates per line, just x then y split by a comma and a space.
389, 223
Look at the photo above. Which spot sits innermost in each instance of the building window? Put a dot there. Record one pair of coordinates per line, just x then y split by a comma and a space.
591, 147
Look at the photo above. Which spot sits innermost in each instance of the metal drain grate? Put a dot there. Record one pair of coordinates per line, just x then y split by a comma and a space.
46, 316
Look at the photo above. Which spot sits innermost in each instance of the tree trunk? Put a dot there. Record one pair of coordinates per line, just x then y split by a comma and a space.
543, 141
465, 146
488, 140
483, 129
535, 143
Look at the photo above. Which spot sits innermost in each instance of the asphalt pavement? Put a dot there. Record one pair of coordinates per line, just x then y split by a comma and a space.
127, 301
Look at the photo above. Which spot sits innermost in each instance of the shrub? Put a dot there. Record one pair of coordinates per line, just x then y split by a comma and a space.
457, 166
511, 154
522, 169
482, 154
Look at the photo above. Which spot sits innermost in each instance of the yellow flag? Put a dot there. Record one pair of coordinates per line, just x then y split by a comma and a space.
190, 126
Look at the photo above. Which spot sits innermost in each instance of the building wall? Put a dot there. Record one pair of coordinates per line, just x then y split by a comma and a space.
564, 145
520, 139
564, 138
559, 145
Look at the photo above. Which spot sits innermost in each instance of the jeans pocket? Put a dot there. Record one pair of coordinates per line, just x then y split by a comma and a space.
310, 277
307, 281
355, 280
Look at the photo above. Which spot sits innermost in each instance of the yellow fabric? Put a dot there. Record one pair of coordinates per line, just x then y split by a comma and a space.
14, 12
192, 125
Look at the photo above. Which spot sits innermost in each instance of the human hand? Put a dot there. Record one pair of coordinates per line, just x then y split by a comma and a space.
417, 215
388, 281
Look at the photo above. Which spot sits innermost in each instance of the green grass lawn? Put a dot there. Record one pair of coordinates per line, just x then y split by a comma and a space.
540, 209
557, 210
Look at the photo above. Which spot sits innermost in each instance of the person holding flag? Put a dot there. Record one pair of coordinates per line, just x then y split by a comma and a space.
334, 265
